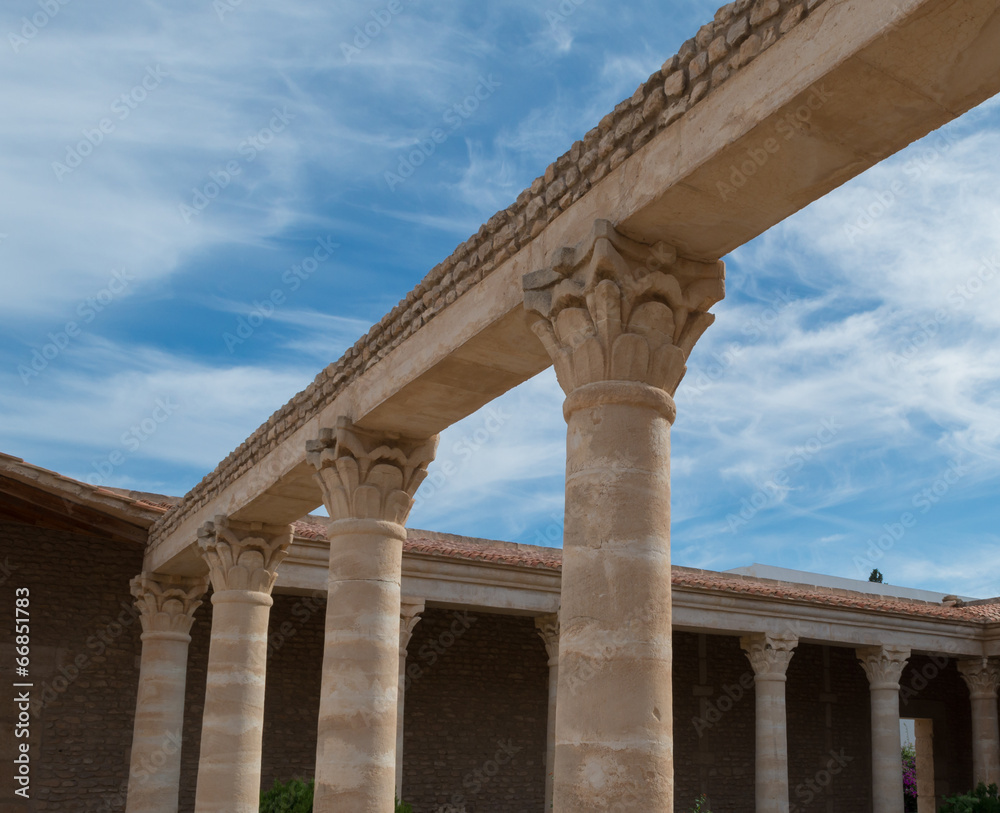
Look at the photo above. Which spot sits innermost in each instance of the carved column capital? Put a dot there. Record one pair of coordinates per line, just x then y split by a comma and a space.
243, 555
409, 617
612, 309
982, 676
769, 654
369, 475
166, 604
883, 664
548, 631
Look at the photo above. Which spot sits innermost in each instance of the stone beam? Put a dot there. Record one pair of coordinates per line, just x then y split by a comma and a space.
852, 83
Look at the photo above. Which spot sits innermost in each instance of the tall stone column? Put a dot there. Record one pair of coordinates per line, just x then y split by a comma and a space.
166, 607
769, 656
982, 675
368, 481
619, 319
409, 617
884, 666
548, 630
242, 559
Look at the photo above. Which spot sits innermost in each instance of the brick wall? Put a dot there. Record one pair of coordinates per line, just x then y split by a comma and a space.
82, 730
475, 714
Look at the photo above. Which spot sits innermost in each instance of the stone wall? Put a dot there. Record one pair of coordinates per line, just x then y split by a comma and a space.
84, 664
475, 715
740, 32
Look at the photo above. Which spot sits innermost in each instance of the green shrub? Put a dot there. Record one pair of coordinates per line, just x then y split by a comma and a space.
701, 805
981, 800
295, 797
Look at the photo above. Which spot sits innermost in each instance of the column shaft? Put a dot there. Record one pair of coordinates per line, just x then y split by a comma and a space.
409, 617
232, 729
614, 718
985, 740
772, 747
887, 783
155, 767
982, 676
548, 630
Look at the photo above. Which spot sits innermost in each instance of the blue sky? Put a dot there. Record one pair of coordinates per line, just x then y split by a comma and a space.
166, 166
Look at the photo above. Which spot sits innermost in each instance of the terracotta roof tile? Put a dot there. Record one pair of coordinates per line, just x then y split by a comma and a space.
510, 553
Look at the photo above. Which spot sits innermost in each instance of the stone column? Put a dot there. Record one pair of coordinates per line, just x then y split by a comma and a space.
548, 630
409, 617
982, 675
368, 481
770, 655
166, 605
242, 559
618, 319
884, 666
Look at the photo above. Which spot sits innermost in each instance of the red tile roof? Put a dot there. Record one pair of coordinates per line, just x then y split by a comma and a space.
510, 553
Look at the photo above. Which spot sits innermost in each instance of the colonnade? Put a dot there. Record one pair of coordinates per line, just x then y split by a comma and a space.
619, 319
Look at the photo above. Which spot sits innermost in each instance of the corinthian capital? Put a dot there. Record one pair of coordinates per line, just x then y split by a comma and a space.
769, 654
167, 603
409, 616
612, 309
982, 676
883, 665
548, 630
369, 475
243, 555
